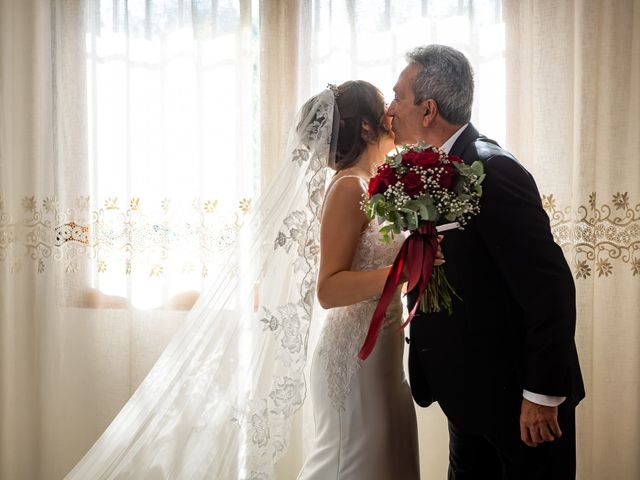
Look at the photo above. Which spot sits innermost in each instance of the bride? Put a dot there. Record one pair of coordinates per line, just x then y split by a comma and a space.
364, 416
221, 399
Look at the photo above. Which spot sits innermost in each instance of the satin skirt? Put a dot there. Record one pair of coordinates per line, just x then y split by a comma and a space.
373, 435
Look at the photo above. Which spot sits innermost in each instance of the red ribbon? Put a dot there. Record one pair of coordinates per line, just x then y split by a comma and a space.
418, 252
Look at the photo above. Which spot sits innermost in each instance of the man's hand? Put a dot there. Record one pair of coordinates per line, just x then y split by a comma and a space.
439, 255
538, 423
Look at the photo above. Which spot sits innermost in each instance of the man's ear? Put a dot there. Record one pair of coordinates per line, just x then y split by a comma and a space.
430, 109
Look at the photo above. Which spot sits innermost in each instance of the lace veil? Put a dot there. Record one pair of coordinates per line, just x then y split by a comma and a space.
220, 399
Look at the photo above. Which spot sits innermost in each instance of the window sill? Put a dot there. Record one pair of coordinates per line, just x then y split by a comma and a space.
93, 298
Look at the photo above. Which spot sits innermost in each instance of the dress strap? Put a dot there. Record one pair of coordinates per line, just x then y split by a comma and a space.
363, 182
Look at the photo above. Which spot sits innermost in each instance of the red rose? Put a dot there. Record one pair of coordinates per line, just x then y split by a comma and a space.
413, 184
425, 159
379, 183
387, 175
448, 176
408, 158
375, 186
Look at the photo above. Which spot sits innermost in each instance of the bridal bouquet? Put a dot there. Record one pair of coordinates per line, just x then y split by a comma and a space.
414, 189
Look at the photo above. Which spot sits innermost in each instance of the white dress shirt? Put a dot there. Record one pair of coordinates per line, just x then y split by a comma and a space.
446, 146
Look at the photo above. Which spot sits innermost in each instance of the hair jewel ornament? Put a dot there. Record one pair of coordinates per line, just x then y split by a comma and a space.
334, 88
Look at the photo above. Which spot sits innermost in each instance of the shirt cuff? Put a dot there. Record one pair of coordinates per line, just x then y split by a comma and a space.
546, 400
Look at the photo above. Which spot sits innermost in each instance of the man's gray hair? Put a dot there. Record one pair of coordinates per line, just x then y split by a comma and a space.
446, 76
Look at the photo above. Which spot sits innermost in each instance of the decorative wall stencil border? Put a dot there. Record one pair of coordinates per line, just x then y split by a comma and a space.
596, 237
130, 234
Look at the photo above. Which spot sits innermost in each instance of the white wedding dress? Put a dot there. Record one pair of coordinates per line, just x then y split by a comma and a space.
365, 421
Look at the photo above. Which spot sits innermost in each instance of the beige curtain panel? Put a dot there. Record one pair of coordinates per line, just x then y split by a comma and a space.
573, 76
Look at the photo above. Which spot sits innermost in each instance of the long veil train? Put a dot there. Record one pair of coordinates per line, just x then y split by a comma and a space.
219, 401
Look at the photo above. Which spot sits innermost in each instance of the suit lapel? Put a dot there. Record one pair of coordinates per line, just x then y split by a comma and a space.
468, 135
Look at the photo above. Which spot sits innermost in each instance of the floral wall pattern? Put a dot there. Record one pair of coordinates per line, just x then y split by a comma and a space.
598, 238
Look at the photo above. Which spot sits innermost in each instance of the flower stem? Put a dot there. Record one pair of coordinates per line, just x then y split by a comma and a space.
439, 294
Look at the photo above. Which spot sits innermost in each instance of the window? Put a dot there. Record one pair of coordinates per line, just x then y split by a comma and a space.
173, 147
174, 99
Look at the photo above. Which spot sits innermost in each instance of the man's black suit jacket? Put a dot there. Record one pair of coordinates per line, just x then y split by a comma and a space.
514, 327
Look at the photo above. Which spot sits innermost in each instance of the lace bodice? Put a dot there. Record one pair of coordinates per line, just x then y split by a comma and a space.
345, 328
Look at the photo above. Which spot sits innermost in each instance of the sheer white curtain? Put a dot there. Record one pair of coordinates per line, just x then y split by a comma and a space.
574, 117
172, 151
368, 39
42, 169
128, 161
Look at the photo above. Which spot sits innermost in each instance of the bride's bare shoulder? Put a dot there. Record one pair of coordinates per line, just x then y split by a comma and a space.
347, 184
344, 196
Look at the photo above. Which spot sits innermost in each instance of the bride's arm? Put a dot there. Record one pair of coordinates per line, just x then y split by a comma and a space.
342, 223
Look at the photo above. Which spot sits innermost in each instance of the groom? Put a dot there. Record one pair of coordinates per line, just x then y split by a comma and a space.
503, 366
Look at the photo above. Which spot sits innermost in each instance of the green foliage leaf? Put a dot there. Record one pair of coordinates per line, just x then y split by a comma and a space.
406, 210
398, 221
477, 168
424, 211
463, 168
432, 212
386, 232
379, 206
387, 228
413, 205
425, 199
412, 221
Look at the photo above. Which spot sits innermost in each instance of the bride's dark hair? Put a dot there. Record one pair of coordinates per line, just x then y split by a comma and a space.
358, 101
